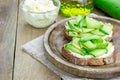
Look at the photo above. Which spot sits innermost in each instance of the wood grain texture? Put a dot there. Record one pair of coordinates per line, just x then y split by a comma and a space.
26, 67
55, 39
8, 21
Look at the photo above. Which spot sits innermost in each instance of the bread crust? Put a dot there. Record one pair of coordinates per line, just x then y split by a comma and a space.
89, 61
67, 35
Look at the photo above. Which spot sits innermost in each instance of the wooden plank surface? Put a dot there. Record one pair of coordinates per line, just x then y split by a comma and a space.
27, 68
8, 21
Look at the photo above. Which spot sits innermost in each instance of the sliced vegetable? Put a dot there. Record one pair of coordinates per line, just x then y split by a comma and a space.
81, 22
98, 52
106, 28
98, 32
89, 45
88, 36
110, 44
94, 47
102, 45
75, 48
92, 23
72, 27
73, 34
69, 47
75, 43
86, 30
96, 41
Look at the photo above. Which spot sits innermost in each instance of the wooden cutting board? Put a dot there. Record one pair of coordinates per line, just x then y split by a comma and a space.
53, 42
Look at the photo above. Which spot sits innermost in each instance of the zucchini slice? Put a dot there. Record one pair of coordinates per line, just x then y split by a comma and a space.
81, 22
73, 34
110, 44
89, 45
98, 32
98, 52
88, 36
73, 27
69, 47
92, 23
75, 43
102, 45
107, 28
85, 30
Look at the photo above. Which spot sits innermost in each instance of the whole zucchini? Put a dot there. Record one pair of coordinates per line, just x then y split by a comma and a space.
111, 7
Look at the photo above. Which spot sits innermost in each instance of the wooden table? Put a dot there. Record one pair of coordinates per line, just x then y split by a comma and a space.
15, 64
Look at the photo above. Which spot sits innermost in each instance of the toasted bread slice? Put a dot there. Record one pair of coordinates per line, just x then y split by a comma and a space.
108, 59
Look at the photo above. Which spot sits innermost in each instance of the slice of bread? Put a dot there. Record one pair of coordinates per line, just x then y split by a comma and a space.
108, 59
88, 31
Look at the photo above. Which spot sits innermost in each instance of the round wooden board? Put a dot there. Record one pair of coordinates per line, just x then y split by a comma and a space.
54, 40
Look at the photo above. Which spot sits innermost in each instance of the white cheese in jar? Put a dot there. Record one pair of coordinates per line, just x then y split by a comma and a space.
39, 5
40, 13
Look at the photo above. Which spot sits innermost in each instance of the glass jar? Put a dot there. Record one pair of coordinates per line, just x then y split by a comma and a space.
40, 13
75, 7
